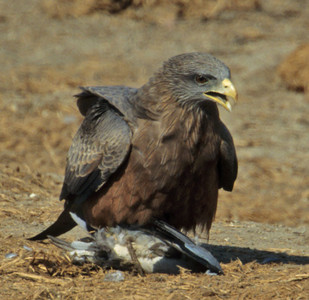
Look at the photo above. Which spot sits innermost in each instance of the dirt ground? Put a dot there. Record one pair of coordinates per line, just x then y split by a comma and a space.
49, 48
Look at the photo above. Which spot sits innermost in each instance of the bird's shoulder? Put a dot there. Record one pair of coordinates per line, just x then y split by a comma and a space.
120, 98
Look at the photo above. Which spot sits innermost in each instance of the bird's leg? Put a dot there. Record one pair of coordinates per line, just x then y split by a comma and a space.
134, 257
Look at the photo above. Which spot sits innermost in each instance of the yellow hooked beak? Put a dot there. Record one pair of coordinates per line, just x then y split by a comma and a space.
222, 93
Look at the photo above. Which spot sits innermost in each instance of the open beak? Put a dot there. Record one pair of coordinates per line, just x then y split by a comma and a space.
223, 93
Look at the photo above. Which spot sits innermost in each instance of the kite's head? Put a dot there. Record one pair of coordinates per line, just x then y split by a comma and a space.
194, 78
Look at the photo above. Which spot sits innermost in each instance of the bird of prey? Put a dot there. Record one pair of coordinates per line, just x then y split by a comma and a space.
159, 249
159, 152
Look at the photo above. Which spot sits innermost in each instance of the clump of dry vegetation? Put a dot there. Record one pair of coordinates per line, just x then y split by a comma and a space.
294, 70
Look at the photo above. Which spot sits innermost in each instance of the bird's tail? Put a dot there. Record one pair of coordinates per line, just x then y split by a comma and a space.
63, 224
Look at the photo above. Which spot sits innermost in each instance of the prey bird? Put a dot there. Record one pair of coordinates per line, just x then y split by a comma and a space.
159, 249
159, 152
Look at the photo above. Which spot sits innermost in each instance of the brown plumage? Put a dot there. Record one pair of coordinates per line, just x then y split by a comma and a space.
158, 152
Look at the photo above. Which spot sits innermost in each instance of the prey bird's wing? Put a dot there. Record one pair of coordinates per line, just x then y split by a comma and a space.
185, 245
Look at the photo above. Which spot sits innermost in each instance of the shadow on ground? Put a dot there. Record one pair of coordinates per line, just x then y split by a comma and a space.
226, 254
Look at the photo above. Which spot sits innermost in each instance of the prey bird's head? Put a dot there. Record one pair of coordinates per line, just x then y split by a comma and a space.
196, 78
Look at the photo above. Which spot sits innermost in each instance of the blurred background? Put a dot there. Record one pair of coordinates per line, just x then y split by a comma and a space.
50, 47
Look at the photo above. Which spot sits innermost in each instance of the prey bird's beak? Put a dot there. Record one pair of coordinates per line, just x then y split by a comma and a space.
223, 93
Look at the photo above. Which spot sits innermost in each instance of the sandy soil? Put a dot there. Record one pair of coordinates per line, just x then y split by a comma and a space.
48, 49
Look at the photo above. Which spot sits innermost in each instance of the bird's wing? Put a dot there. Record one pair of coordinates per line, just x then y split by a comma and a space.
117, 96
228, 165
99, 147
185, 245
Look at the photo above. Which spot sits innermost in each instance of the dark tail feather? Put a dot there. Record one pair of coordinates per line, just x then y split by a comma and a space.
63, 224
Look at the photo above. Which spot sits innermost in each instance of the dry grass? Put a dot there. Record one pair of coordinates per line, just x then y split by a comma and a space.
38, 79
49, 274
158, 11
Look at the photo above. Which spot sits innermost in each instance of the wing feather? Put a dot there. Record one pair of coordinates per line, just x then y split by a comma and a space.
117, 96
99, 147
228, 165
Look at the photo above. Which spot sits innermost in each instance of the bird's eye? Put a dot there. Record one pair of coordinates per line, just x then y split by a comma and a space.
201, 79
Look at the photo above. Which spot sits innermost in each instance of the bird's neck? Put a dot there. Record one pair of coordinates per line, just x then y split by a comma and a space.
187, 121
154, 97
192, 128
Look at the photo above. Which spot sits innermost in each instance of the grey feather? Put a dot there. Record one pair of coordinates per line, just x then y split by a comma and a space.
99, 147
185, 245
118, 96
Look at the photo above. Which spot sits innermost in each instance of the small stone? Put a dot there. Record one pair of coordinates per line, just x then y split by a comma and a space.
114, 276
208, 272
69, 119
10, 255
27, 248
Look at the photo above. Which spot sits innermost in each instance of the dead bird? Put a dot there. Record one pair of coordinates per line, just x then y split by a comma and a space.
156, 249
